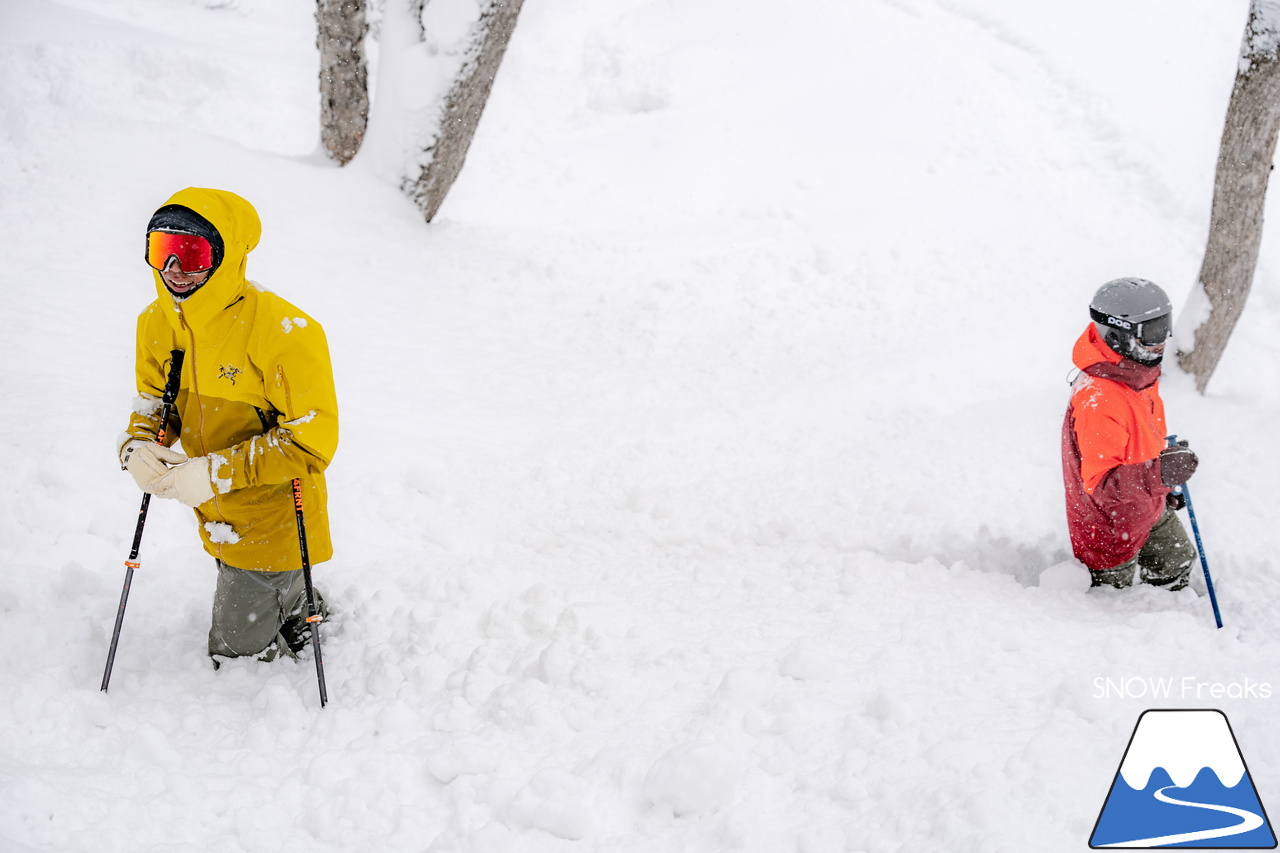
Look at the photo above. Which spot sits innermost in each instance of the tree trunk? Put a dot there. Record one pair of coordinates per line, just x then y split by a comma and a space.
463, 105
1240, 188
344, 82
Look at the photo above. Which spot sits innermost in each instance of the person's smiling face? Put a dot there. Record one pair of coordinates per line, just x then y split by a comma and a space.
179, 282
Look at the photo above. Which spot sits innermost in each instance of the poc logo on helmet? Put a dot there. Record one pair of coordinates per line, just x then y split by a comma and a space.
1116, 321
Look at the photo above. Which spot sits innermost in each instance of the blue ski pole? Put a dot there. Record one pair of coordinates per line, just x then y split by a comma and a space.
1195, 529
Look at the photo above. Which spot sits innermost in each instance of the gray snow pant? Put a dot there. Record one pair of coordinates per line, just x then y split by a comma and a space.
1164, 561
249, 608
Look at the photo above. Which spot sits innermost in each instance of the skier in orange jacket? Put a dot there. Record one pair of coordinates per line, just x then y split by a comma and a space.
1116, 465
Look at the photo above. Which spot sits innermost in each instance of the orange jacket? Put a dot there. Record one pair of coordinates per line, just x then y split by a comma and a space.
1112, 436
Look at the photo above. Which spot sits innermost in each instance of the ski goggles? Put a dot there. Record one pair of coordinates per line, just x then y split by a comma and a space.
1149, 332
194, 253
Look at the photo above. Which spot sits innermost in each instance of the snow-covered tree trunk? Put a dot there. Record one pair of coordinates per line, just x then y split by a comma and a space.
344, 87
462, 107
436, 64
1240, 188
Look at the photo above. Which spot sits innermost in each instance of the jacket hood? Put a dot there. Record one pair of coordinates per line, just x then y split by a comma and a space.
1092, 355
240, 228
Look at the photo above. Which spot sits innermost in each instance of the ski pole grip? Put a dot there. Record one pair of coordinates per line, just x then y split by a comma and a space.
175, 377
171, 384
1178, 489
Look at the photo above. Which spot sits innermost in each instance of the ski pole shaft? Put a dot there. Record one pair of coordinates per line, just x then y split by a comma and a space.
130, 564
170, 396
314, 618
1195, 530
1204, 563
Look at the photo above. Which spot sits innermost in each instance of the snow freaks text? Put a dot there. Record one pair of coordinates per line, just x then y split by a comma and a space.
1184, 687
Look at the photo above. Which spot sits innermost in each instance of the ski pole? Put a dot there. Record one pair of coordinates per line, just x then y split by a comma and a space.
170, 396
1195, 528
313, 615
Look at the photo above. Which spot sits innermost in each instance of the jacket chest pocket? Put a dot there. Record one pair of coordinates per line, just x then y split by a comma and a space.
282, 387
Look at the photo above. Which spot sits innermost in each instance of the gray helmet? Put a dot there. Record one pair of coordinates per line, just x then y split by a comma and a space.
1134, 317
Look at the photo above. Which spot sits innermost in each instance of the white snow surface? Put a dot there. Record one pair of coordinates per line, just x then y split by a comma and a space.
699, 482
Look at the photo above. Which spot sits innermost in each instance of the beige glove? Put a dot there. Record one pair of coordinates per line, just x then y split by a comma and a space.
148, 462
188, 482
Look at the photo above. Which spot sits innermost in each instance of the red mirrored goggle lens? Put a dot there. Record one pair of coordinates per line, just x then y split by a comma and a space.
194, 253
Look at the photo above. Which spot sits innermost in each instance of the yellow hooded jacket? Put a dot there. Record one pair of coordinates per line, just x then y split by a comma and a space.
256, 397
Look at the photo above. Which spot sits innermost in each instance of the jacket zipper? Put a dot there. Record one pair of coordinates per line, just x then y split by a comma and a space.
195, 389
284, 383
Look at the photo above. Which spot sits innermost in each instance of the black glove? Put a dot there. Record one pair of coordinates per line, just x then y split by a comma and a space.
1175, 501
1177, 464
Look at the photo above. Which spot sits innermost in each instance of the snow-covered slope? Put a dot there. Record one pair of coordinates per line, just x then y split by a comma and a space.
698, 486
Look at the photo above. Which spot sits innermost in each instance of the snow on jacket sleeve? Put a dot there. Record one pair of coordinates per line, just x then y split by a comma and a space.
298, 380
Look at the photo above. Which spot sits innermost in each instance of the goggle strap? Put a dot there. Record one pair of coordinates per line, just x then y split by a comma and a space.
1108, 320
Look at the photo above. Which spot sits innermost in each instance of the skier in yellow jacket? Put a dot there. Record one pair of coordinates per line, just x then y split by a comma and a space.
256, 408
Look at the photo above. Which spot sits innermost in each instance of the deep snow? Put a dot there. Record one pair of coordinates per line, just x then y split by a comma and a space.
698, 486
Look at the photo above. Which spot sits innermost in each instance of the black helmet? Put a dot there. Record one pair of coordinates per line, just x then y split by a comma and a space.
1134, 317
